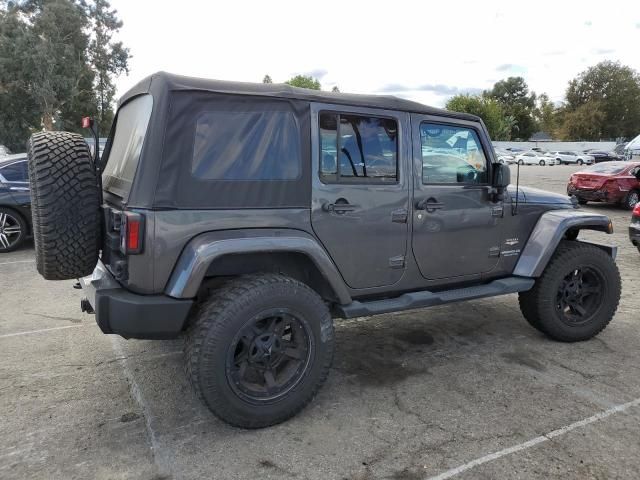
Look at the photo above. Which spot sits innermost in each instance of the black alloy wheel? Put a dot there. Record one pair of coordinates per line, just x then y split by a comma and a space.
579, 295
269, 356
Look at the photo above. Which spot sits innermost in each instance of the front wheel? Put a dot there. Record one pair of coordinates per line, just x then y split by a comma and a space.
632, 200
520, 162
542, 163
580, 162
259, 349
576, 296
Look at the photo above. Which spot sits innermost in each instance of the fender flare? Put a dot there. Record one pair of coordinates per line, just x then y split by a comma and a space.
548, 233
202, 250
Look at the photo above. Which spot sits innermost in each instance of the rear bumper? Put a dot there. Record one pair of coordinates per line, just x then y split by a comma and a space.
131, 315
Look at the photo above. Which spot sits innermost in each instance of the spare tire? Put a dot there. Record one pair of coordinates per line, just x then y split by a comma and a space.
65, 205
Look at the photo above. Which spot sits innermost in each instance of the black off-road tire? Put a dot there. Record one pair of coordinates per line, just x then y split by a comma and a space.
65, 205
540, 307
223, 316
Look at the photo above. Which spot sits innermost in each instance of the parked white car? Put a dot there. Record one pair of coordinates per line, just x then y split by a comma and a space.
505, 156
534, 158
566, 157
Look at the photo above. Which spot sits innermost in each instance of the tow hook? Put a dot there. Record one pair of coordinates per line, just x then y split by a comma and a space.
86, 307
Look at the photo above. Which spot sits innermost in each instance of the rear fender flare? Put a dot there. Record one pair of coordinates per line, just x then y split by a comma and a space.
550, 230
204, 249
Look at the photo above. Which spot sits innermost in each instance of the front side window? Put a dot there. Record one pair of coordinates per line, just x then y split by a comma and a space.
357, 148
451, 155
253, 144
16, 172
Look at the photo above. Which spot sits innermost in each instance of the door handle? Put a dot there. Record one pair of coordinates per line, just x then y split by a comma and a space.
430, 205
338, 207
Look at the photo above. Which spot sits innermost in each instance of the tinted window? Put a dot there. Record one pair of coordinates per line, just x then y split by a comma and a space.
16, 172
130, 130
355, 148
451, 155
254, 144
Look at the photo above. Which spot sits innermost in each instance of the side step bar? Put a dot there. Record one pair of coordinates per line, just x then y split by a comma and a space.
408, 301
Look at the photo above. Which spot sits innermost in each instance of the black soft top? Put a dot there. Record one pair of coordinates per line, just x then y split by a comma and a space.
161, 82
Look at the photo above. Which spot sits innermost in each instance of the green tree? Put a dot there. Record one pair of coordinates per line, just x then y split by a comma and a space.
545, 114
56, 60
488, 109
57, 64
516, 100
107, 57
267, 79
19, 114
582, 123
304, 81
614, 91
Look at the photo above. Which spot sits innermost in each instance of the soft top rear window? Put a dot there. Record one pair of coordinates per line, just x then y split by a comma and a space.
126, 145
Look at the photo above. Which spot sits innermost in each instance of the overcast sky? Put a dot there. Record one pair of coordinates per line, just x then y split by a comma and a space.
425, 51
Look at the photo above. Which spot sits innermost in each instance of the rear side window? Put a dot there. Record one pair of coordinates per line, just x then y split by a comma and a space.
254, 144
357, 148
128, 138
16, 172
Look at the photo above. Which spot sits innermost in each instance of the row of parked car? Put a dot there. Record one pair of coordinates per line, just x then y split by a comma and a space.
542, 157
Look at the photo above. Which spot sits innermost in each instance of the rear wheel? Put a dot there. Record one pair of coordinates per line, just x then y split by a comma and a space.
633, 197
576, 296
13, 230
259, 350
520, 162
65, 205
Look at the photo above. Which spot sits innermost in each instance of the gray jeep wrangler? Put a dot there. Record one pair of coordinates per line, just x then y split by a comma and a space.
247, 216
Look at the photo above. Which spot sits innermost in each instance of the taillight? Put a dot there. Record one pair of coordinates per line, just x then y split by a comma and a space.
131, 233
636, 211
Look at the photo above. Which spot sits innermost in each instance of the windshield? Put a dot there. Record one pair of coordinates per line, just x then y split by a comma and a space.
610, 167
128, 137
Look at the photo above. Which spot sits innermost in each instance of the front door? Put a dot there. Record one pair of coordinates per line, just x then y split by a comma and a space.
456, 224
361, 192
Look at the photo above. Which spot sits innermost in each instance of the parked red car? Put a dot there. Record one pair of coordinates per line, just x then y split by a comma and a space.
610, 182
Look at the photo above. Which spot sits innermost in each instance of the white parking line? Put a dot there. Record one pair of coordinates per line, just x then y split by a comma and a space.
6, 335
17, 261
535, 441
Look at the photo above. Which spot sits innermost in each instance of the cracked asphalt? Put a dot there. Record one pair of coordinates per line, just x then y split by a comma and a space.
466, 391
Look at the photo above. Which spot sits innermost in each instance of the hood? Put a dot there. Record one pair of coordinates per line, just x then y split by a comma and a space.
536, 195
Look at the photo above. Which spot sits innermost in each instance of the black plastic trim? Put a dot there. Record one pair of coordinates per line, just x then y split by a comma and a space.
427, 298
140, 316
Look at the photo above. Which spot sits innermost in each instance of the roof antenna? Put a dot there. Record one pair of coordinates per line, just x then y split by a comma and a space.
514, 211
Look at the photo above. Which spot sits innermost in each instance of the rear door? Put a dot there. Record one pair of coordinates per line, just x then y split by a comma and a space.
360, 199
15, 178
456, 224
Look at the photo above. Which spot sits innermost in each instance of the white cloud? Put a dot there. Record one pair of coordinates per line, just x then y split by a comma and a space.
364, 46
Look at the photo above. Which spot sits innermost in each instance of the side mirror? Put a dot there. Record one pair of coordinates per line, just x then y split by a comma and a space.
501, 176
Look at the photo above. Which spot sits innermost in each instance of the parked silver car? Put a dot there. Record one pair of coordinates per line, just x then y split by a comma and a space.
567, 157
